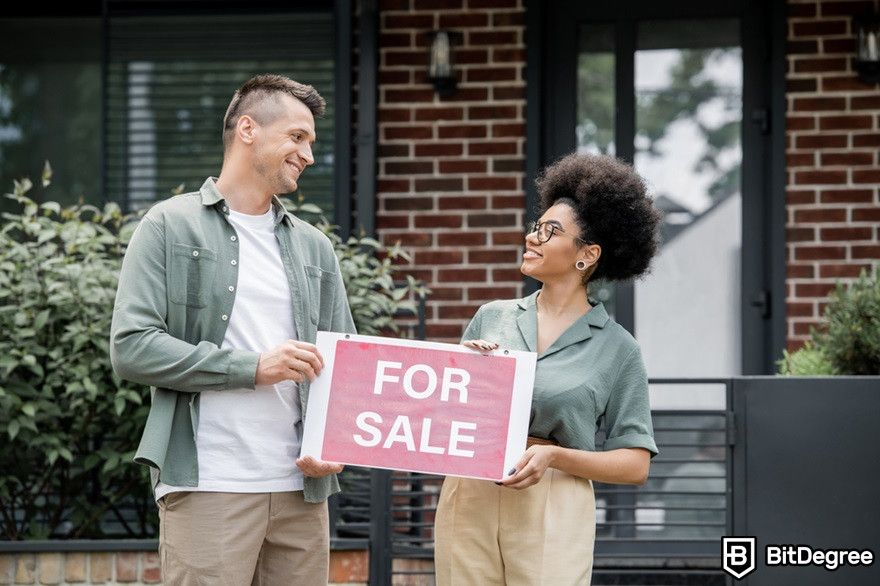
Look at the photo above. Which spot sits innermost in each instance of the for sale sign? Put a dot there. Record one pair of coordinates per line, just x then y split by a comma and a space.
419, 406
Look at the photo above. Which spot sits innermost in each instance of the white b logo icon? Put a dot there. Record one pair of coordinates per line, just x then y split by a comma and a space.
738, 556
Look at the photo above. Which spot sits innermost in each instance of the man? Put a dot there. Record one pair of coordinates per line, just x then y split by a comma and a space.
220, 297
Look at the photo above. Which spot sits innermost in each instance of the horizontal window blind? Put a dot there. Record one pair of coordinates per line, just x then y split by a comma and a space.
169, 82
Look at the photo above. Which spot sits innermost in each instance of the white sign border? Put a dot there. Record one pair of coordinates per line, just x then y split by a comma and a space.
319, 394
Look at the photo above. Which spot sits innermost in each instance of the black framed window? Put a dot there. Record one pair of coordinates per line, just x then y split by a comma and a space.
50, 104
169, 82
126, 99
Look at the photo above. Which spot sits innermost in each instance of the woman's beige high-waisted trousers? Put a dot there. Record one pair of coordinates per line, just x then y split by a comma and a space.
488, 534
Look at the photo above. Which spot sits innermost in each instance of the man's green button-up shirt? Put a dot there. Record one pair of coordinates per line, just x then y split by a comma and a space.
175, 297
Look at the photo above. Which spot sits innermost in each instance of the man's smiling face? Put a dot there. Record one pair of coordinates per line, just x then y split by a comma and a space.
284, 145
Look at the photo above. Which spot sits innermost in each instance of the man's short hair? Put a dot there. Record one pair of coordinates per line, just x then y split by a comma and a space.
258, 98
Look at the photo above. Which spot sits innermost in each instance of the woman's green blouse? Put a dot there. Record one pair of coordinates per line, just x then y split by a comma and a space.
593, 371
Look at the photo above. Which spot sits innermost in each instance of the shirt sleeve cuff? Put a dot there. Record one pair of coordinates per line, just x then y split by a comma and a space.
243, 369
632, 440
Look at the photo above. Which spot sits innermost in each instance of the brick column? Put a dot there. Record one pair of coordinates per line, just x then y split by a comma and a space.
833, 135
451, 171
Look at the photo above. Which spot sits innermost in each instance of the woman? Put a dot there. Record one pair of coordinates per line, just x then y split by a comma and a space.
538, 525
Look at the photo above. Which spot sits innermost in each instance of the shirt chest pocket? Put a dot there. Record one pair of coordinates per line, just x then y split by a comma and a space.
322, 292
191, 275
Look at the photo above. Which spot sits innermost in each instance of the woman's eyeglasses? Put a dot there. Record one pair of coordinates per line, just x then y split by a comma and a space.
546, 230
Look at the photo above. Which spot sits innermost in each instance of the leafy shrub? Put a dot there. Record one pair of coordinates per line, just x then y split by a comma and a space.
67, 421
69, 425
368, 272
849, 343
806, 361
852, 340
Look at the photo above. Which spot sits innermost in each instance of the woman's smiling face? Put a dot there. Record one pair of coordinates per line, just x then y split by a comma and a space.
556, 257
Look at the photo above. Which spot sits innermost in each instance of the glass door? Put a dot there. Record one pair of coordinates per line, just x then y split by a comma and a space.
688, 98
666, 92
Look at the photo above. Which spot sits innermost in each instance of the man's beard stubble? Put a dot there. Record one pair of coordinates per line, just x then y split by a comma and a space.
278, 182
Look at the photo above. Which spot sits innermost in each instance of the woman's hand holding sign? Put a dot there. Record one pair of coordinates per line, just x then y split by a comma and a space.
531, 467
480, 345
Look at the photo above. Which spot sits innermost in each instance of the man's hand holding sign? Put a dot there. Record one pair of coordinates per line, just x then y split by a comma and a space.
419, 406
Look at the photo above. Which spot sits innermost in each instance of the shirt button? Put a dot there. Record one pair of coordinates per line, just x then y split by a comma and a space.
231, 288
225, 209
195, 252
233, 238
224, 317
235, 262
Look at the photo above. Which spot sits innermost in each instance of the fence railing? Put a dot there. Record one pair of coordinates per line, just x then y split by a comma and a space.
666, 532
681, 512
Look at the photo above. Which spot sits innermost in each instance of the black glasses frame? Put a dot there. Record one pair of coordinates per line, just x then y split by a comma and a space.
538, 229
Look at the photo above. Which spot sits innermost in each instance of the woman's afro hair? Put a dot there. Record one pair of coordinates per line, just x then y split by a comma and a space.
612, 209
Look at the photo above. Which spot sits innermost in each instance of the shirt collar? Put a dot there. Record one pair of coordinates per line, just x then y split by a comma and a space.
527, 321
211, 196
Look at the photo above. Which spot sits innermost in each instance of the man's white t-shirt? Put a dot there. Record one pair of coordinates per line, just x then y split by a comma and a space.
248, 440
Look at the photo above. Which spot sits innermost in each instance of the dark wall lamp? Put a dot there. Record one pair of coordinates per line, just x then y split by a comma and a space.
868, 49
441, 67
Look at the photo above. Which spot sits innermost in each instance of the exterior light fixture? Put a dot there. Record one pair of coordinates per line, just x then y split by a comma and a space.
440, 68
868, 50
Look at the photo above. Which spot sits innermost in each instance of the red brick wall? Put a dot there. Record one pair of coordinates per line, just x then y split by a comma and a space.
451, 171
833, 135
137, 568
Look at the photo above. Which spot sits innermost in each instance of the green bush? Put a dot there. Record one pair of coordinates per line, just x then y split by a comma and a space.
67, 421
806, 361
849, 343
368, 272
69, 425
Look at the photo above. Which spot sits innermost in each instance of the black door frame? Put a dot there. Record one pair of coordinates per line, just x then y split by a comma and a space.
550, 121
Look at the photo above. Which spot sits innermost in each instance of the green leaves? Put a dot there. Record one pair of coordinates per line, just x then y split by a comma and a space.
368, 268
852, 340
849, 344
58, 398
310, 208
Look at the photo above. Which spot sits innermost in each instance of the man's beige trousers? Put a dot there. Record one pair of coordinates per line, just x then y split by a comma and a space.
235, 539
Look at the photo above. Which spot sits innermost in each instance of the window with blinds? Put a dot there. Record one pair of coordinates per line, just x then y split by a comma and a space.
170, 79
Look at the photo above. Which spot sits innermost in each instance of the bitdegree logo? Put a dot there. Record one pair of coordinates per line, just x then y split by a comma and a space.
738, 556
804, 555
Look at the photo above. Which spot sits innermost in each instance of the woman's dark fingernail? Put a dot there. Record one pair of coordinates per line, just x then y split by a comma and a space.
512, 471
498, 483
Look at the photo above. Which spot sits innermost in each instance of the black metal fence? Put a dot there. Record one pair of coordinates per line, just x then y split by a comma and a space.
789, 460
680, 514
665, 532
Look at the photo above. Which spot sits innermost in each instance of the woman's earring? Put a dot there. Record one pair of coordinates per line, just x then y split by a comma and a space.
581, 265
